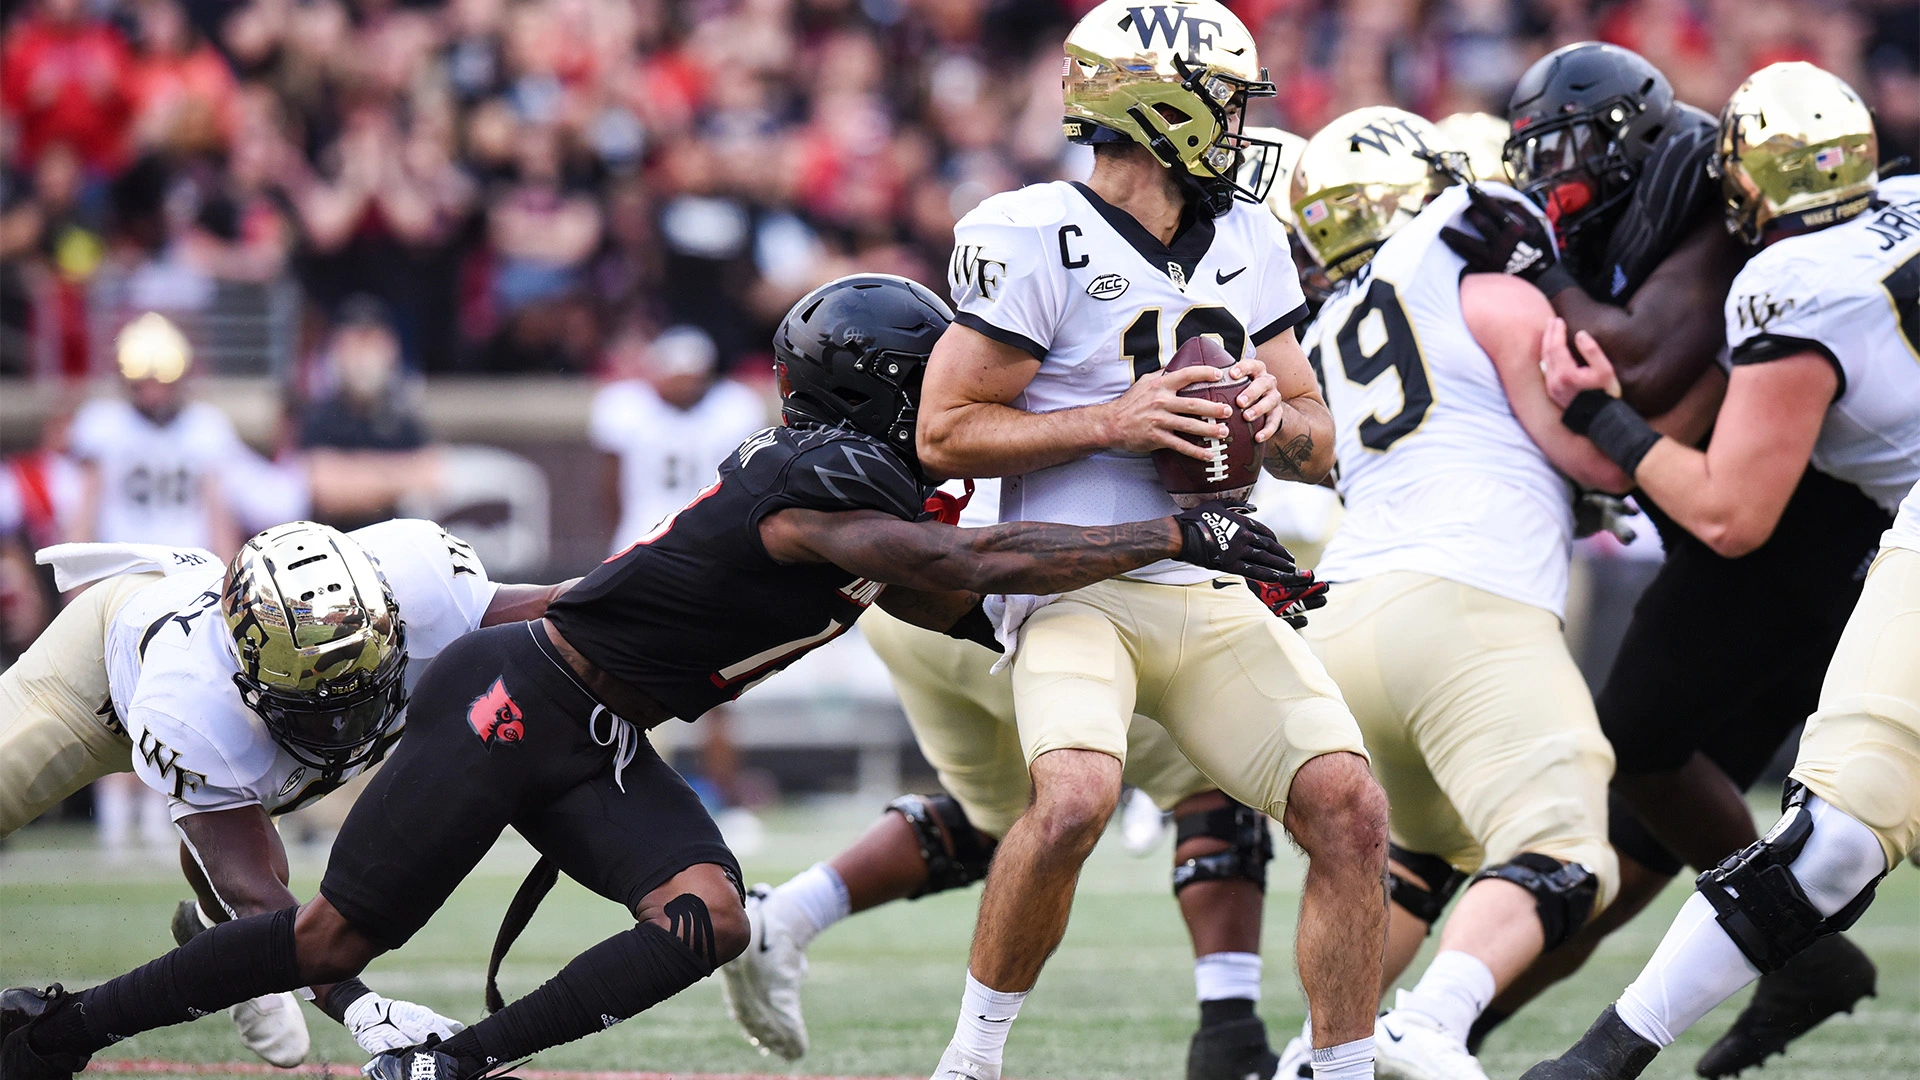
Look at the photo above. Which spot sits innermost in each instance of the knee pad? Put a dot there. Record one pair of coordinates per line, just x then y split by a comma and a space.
1250, 846
1758, 901
955, 852
1437, 874
1563, 893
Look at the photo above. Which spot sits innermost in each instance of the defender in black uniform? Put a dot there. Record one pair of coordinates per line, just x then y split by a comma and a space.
1723, 656
537, 724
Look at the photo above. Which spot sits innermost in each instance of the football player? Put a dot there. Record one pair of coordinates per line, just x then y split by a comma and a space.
537, 724
961, 713
1824, 340
235, 712
1071, 296
1451, 563
1723, 655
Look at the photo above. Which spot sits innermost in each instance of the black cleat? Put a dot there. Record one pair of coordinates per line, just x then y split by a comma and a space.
1610, 1050
186, 922
1233, 1049
1830, 976
413, 1063
19, 1009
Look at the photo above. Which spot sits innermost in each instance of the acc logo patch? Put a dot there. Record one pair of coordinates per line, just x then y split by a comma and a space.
495, 716
1108, 287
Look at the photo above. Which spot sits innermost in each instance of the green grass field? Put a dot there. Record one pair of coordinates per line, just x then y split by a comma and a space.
1116, 1001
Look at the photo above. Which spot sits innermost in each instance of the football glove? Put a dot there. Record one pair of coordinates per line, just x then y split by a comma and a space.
1223, 536
1597, 512
1292, 600
381, 1024
414, 1063
1511, 241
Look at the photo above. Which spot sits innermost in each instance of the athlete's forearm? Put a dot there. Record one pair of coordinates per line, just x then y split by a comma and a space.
983, 438
1302, 449
522, 603
1033, 557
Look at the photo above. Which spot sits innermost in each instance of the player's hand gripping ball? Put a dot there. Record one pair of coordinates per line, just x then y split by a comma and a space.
1234, 463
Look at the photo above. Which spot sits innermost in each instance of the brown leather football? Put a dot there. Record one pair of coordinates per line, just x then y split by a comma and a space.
1236, 458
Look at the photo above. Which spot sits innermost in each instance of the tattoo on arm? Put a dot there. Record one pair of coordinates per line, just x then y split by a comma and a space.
1294, 456
1033, 557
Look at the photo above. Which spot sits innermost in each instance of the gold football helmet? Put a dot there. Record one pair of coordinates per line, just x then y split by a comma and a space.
151, 347
1173, 76
1360, 179
1483, 138
322, 650
1797, 149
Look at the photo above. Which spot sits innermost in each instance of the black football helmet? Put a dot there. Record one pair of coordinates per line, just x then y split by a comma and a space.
1585, 118
851, 354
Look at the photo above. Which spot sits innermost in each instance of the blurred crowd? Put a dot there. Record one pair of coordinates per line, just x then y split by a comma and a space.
516, 185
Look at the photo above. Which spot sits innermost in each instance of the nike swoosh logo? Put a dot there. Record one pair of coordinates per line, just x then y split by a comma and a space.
995, 1020
1221, 277
1391, 1035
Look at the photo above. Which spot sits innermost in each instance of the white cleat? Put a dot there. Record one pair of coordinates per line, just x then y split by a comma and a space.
1296, 1060
1409, 1046
763, 984
955, 1065
1141, 824
273, 1027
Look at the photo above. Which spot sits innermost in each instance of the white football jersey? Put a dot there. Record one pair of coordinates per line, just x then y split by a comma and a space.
1850, 292
1057, 272
170, 668
152, 475
1437, 473
666, 454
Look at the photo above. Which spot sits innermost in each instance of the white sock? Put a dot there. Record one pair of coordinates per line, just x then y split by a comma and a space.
986, 1015
1221, 975
813, 900
1697, 966
1348, 1061
1455, 989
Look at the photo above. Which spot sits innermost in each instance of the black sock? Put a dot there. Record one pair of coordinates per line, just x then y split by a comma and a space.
226, 965
1224, 1011
623, 975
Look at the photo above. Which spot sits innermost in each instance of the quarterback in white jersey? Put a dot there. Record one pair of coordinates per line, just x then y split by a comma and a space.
1823, 332
1450, 566
1070, 298
140, 673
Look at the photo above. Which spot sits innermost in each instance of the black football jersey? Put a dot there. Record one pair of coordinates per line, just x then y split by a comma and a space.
696, 611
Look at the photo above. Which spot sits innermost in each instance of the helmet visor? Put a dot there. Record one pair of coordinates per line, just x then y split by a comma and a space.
331, 733
1539, 156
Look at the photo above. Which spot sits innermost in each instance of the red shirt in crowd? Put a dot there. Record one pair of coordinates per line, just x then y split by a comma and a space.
68, 82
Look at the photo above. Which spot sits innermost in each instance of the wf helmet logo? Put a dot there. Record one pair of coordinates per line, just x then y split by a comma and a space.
495, 716
1172, 24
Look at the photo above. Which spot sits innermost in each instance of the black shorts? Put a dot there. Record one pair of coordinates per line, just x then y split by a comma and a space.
1725, 656
498, 734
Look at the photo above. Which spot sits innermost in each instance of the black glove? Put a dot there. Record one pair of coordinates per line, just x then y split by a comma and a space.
1292, 601
1511, 241
1222, 536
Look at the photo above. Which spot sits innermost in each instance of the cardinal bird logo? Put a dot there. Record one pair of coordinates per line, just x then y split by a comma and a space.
495, 716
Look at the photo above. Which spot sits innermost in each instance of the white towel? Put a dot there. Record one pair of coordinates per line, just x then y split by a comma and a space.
1009, 614
75, 565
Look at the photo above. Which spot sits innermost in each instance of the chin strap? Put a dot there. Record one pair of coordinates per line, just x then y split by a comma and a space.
946, 508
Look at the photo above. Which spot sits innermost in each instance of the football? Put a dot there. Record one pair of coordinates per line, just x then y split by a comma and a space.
1235, 464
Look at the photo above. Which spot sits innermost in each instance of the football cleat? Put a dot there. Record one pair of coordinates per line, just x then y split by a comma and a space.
1296, 1058
1142, 823
1409, 1046
763, 983
1232, 1050
1610, 1050
413, 1063
273, 1028
955, 1065
1829, 977
19, 1008
187, 923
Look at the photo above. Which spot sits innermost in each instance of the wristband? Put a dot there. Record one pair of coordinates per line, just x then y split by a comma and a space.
1615, 428
1554, 280
344, 994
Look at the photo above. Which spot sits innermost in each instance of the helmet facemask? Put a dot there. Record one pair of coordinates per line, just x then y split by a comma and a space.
1575, 167
335, 727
